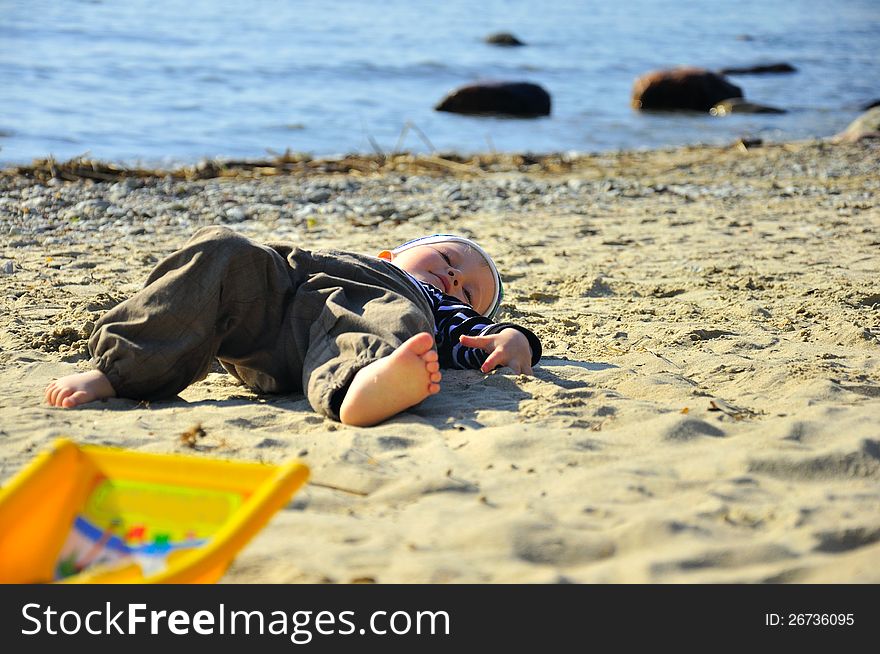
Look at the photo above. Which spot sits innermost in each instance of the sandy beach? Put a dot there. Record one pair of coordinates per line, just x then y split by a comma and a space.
707, 409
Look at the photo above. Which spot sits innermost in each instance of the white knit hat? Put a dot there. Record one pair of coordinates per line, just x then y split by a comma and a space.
452, 238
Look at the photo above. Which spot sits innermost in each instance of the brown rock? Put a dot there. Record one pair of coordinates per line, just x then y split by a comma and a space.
693, 89
521, 99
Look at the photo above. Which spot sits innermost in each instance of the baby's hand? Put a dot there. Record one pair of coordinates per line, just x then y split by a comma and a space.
509, 347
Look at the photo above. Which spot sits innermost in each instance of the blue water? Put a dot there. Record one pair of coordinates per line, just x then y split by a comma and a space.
164, 82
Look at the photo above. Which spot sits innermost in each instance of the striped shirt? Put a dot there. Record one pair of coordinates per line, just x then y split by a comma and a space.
453, 319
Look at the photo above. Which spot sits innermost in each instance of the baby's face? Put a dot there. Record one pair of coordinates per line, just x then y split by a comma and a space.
454, 268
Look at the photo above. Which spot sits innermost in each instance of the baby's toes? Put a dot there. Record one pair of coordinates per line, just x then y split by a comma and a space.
430, 355
52, 393
432, 366
74, 399
435, 377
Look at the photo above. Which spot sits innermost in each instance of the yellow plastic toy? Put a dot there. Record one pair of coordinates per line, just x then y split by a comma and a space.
90, 514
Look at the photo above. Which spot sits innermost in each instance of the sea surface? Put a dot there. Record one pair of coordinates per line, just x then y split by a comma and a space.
163, 82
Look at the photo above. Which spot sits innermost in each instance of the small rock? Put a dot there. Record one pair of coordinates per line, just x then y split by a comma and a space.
7, 267
503, 39
35, 203
741, 106
386, 211
87, 209
236, 215
123, 187
746, 143
760, 69
865, 126
319, 196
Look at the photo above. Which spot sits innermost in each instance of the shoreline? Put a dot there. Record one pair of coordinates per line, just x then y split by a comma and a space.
705, 412
437, 162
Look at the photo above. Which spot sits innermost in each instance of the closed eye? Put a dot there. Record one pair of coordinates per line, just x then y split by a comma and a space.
467, 293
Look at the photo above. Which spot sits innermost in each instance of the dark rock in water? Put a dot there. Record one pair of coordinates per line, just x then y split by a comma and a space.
498, 98
871, 105
746, 143
741, 106
695, 89
865, 126
761, 69
503, 38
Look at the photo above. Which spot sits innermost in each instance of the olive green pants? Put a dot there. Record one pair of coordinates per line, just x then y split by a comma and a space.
279, 318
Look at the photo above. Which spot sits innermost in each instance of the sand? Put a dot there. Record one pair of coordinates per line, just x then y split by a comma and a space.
707, 409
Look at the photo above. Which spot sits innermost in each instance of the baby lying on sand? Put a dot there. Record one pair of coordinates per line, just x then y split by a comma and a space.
363, 337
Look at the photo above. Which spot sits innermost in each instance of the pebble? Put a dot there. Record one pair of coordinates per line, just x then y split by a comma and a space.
319, 196
7, 267
236, 215
85, 209
35, 203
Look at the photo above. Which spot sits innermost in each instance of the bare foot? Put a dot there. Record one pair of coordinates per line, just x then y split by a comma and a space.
392, 384
79, 388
